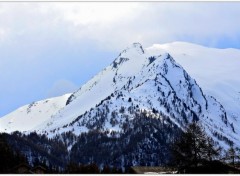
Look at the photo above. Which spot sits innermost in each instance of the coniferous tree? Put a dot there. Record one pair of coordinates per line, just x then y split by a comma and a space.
8, 158
193, 147
232, 155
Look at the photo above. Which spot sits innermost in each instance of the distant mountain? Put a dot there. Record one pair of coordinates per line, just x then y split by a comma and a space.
140, 102
29, 116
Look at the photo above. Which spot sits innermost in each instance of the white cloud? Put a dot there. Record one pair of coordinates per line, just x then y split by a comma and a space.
114, 25
86, 13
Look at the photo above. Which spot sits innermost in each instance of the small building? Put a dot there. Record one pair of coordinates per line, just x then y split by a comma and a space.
22, 169
39, 170
153, 170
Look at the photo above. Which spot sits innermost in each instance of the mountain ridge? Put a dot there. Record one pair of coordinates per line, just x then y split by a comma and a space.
149, 78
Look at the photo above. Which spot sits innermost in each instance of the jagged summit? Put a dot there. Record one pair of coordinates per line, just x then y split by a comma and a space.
139, 47
134, 47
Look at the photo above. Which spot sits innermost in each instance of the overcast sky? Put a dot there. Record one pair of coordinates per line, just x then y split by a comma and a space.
51, 48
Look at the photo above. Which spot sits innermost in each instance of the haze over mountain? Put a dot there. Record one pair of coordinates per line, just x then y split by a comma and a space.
176, 83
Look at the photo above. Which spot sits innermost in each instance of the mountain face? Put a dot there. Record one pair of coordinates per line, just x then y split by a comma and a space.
135, 105
215, 70
139, 81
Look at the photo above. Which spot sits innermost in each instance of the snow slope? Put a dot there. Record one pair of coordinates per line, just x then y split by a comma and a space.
29, 116
100, 86
216, 71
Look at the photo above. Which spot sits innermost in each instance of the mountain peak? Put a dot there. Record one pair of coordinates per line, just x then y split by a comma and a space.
133, 52
138, 46
135, 46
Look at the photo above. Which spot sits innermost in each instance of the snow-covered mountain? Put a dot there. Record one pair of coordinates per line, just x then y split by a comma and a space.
29, 116
215, 70
150, 81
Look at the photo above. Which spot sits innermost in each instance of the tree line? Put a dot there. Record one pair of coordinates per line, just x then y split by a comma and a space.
190, 151
195, 152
